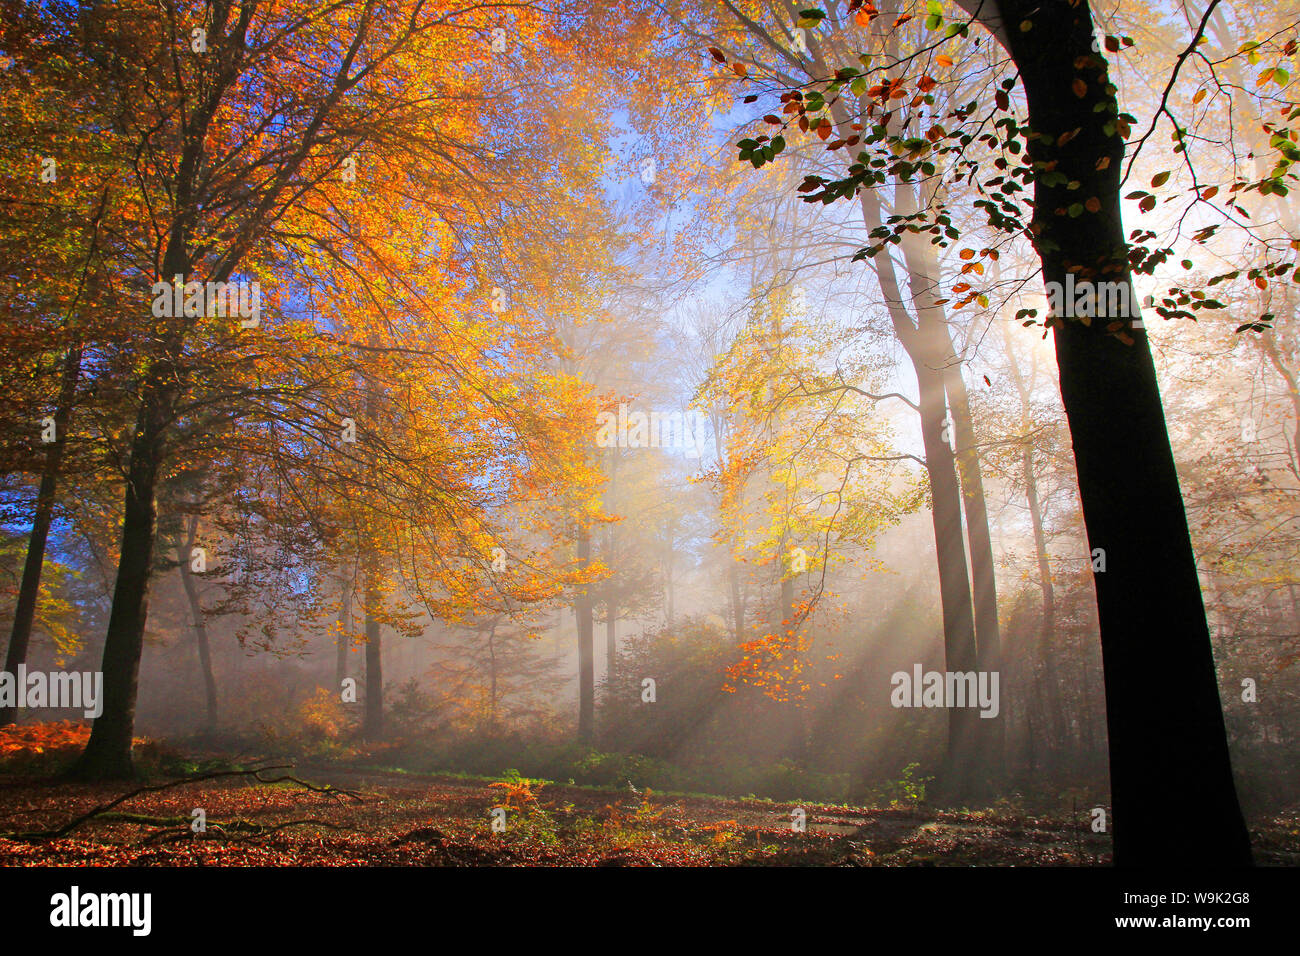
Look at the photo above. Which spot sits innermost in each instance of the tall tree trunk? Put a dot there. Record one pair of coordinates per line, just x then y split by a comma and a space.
108, 751
924, 282
610, 587
586, 647
733, 566
786, 612
492, 666
373, 727
669, 596
787, 603
343, 645
918, 340
611, 637
1045, 649
196, 614
988, 638
1169, 764
29, 590
1046, 683
737, 598
960, 765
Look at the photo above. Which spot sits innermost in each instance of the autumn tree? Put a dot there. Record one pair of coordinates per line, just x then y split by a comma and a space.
1166, 733
244, 158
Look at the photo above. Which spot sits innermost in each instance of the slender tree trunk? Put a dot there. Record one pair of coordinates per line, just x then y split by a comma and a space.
988, 638
737, 600
1268, 344
196, 613
29, 590
919, 341
586, 647
669, 609
960, 770
987, 632
786, 612
1047, 685
492, 665
611, 638
611, 588
1169, 764
945, 492
343, 645
373, 727
1045, 650
924, 282
733, 566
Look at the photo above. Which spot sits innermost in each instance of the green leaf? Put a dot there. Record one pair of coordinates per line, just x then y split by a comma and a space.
1159, 179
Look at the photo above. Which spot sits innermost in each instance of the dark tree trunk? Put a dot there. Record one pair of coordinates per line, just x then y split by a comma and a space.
936, 349
29, 589
927, 358
108, 751
1169, 764
586, 647
200, 629
960, 765
988, 638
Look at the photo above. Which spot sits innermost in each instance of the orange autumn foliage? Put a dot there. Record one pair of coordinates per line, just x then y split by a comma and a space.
60, 737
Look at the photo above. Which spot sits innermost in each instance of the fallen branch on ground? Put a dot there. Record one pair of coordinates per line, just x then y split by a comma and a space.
256, 773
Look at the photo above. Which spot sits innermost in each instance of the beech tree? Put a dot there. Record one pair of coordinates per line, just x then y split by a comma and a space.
1165, 722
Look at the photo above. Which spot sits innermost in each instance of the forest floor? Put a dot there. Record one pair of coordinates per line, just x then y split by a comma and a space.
327, 816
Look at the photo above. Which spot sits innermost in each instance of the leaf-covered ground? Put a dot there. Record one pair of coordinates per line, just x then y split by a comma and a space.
397, 819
